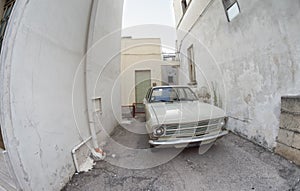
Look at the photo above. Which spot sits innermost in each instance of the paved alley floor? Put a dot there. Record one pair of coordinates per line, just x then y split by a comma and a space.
232, 163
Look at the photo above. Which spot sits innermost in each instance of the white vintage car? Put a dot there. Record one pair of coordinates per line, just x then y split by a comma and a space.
174, 117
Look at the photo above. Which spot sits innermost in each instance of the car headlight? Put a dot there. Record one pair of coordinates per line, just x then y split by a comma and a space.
224, 122
159, 131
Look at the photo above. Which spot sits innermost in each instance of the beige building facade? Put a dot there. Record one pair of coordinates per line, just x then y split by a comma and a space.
141, 62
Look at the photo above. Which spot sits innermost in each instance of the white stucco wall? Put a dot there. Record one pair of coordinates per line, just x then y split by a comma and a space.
44, 98
251, 61
103, 65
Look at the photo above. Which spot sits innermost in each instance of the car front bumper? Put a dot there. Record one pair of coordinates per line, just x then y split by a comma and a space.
204, 138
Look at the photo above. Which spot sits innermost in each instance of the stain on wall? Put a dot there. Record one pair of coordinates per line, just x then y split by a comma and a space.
248, 63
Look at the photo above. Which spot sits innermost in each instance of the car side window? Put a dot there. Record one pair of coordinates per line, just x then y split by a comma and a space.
181, 93
190, 94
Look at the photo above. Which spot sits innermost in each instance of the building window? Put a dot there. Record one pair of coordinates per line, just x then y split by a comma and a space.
232, 9
184, 5
191, 65
170, 79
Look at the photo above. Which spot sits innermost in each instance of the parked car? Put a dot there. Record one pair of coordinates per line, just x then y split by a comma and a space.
176, 117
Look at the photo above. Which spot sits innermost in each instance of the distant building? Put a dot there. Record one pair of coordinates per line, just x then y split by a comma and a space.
141, 62
169, 69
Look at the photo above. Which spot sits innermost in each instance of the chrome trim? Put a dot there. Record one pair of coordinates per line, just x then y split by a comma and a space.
192, 128
195, 127
187, 140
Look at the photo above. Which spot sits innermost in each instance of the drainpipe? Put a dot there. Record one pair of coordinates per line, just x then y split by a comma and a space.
96, 151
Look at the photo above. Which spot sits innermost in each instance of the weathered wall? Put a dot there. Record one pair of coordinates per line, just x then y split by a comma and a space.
246, 64
44, 97
169, 68
139, 54
195, 9
288, 141
103, 66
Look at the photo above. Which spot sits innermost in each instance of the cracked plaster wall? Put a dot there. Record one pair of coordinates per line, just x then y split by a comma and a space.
43, 102
252, 61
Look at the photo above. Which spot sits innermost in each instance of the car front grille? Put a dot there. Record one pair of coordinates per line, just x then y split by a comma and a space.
192, 129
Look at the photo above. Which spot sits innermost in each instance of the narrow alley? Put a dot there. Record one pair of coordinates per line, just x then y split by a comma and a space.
119, 94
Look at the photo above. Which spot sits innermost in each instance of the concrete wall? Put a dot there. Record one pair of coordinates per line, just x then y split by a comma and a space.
288, 141
245, 65
184, 21
139, 54
44, 98
103, 66
169, 68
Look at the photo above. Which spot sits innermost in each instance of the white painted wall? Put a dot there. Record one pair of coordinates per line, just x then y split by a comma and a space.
252, 61
185, 21
44, 98
103, 65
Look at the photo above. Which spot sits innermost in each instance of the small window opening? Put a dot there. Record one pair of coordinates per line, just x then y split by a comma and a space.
184, 6
170, 79
98, 105
232, 9
191, 65
1, 140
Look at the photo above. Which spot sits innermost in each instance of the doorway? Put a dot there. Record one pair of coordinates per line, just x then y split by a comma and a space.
142, 84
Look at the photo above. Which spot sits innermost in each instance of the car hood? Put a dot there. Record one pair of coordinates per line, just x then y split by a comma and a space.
184, 112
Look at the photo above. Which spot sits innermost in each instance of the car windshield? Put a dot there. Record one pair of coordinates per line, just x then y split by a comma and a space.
171, 94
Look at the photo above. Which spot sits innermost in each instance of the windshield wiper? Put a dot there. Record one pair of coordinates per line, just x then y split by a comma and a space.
166, 101
186, 99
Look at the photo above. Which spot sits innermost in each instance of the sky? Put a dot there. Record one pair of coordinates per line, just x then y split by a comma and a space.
150, 18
